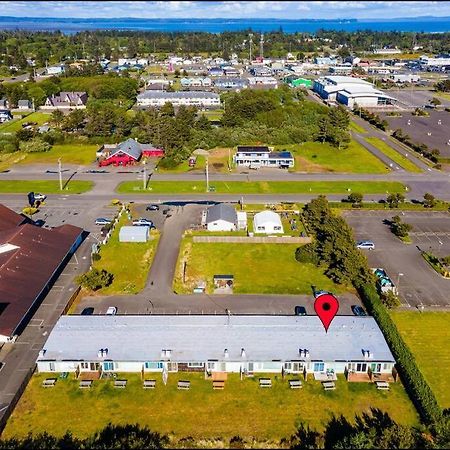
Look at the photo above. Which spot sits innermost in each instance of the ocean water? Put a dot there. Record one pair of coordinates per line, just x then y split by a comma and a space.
70, 26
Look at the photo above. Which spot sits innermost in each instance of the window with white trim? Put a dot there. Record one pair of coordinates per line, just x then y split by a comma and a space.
196, 364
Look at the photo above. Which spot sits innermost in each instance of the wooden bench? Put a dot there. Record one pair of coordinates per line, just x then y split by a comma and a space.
149, 384
265, 382
295, 384
85, 384
120, 383
49, 382
328, 385
382, 385
186, 385
218, 384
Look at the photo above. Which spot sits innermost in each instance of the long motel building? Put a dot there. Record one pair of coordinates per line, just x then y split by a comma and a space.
93, 345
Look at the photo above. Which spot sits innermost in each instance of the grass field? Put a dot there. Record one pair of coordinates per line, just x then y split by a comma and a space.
44, 186
131, 268
184, 166
426, 334
318, 157
355, 127
204, 260
263, 187
241, 408
16, 124
401, 160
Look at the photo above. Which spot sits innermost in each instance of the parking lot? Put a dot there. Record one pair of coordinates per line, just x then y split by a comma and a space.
418, 129
415, 98
418, 283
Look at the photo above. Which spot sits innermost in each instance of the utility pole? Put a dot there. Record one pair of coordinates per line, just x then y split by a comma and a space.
144, 178
60, 174
261, 46
250, 52
207, 175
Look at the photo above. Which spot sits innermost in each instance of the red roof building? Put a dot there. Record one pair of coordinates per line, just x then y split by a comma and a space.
30, 261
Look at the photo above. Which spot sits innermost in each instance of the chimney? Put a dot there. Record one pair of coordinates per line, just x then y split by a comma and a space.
243, 355
225, 353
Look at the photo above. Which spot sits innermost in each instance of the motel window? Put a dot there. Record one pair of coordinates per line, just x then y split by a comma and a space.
108, 365
153, 364
319, 367
51, 366
277, 228
196, 364
85, 365
361, 367
261, 228
386, 366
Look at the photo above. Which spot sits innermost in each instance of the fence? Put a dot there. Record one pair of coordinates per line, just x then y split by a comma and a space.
254, 239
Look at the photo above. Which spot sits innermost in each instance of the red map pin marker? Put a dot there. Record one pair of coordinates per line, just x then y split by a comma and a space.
326, 307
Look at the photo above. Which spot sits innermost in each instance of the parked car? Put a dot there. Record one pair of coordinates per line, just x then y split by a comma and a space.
365, 245
358, 310
142, 223
152, 208
87, 311
102, 221
300, 311
39, 197
112, 311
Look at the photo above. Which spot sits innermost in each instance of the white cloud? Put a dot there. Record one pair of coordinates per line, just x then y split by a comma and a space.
225, 9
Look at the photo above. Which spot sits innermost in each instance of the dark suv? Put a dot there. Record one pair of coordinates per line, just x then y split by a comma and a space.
358, 310
300, 311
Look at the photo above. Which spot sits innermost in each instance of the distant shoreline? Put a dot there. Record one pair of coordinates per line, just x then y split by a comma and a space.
71, 26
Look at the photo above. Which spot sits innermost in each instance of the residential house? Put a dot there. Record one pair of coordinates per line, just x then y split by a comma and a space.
126, 153
262, 82
24, 104
66, 101
4, 104
31, 258
230, 71
215, 72
201, 99
261, 156
151, 344
55, 70
267, 222
5, 115
230, 83
221, 217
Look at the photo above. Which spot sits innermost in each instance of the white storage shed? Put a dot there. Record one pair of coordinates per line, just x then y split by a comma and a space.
267, 222
134, 234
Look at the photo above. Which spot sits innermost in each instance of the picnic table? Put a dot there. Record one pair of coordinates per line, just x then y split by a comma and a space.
120, 383
265, 382
85, 384
218, 384
149, 384
49, 382
186, 385
382, 385
328, 385
295, 384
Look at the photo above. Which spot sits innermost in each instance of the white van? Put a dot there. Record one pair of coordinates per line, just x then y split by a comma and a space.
365, 245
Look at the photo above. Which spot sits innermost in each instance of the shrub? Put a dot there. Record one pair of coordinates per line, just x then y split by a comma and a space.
307, 254
36, 145
390, 300
95, 279
96, 257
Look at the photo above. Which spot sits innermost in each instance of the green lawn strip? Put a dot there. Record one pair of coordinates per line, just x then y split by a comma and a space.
129, 262
322, 157
184, 166
426, 334
262, 187
16, 124
83, 154
356, 127
200, 412
406, 206
204, 260
44, 186
393, 154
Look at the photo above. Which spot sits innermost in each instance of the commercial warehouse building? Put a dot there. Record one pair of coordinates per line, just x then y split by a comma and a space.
30, 261
241, 344
200, 99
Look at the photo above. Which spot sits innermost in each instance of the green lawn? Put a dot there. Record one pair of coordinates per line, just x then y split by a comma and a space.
16, 124
356, 127
204, 260
184, 166
427, 336
241, 408
318, 157
393, 154
263, 187
129, 261
44, 186
83, 154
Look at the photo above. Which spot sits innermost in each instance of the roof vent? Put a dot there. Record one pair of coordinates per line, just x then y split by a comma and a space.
225, 353
243, 355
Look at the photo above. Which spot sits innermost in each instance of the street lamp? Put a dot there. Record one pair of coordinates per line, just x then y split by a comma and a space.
398, 279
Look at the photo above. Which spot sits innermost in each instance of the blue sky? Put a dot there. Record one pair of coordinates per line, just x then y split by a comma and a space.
225, 9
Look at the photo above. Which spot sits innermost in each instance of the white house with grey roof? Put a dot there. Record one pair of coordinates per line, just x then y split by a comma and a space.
200, 99
246, 344
221, 217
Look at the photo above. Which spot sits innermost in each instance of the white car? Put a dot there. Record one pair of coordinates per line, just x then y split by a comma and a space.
143, 223
112, 311
39, 197
365, 245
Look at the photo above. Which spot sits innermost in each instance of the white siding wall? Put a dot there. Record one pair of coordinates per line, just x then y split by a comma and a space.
221, 225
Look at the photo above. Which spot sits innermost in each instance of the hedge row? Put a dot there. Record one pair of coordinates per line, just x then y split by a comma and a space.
372, 118
415, 383
422, 149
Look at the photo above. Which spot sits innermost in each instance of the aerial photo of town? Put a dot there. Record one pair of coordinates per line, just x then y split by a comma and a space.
224, 224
